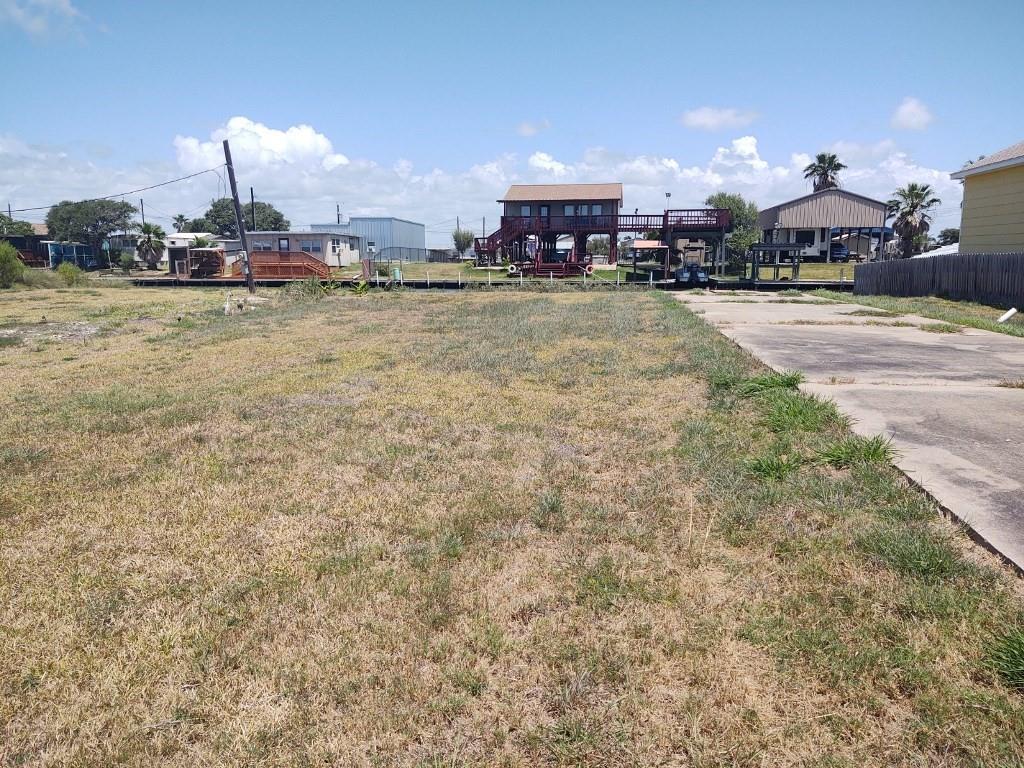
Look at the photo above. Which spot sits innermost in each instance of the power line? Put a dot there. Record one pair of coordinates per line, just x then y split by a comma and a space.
129, 192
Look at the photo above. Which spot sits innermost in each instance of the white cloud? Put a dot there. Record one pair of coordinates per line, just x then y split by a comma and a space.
257, 144
717, 118
303, 173
911, 115
527, 128
542, 161
39, 17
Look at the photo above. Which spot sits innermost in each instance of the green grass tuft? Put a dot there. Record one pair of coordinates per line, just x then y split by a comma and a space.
855, 450
775, 466
769, 382
941, 328
789, 411
915, 551
1005, 657
549, 514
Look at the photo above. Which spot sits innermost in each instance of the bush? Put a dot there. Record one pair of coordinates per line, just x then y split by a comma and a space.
70, 274
11, 268
126, 261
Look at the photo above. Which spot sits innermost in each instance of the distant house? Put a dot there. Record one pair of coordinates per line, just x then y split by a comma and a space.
384, 237
822, 221
335, 249
992, 215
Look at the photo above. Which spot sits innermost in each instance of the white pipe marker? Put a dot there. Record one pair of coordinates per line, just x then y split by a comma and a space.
1010, 313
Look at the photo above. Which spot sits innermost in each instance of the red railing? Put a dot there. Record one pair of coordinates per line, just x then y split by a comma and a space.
284, 264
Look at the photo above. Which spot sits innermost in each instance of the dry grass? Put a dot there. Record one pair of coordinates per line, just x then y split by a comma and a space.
453, 530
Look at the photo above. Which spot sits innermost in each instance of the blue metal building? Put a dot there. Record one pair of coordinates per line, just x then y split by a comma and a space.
385, 236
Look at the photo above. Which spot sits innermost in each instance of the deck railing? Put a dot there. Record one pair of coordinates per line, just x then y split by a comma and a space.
274, 264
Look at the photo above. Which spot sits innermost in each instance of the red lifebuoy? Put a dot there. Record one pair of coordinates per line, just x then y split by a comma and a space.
589, 269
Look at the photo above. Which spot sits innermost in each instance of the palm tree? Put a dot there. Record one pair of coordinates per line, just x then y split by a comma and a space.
824, 171
180, 222
151, 244
911, 205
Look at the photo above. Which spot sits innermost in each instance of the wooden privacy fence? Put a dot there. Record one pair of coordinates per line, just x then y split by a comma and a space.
988, 278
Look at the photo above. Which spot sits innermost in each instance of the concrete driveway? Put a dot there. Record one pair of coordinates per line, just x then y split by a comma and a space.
959, 434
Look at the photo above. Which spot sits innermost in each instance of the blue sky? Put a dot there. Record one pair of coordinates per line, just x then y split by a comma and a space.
428, 110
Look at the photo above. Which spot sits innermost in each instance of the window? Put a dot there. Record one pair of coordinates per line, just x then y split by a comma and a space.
310, 246
584, 210
282, 244
596, 209
569, 210
335, 245
804, 237
524, 210
262, 245
545, 211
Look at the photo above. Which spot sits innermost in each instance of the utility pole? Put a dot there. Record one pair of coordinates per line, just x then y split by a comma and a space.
250, 281
9, 210
142, 208
337, 207
252, 203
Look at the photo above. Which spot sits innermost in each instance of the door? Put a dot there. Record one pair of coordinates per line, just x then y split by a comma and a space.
282, 244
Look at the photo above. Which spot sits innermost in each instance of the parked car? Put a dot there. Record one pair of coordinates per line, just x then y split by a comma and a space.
839, 252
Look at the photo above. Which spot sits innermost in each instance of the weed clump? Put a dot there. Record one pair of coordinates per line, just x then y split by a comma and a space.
769, 382
790, 411
941, 328
855, 450
775, 466
913, 551
1005, 657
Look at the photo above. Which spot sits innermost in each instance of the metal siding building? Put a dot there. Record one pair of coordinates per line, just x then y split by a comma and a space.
381, 232
829, 208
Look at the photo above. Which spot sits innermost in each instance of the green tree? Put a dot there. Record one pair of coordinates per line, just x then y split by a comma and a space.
824, 171
912, 205
745, 230
89, 221
11, 268
9, 226
151, 244
180, 222
949, 236
220, 218
599, 246
463, 239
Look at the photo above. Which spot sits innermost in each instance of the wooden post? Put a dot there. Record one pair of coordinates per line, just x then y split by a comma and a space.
250, 280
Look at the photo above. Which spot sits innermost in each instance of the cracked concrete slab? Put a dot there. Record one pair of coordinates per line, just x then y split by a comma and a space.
959, 434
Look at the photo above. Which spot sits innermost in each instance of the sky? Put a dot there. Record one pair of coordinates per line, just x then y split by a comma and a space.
429, 110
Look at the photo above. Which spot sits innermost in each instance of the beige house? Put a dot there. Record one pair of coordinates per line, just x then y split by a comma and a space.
992, 216
821, 221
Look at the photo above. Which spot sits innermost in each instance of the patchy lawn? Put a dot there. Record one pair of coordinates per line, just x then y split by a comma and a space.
448, 530
950, 312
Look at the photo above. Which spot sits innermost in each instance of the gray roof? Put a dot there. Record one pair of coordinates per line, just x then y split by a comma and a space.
1004, 158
